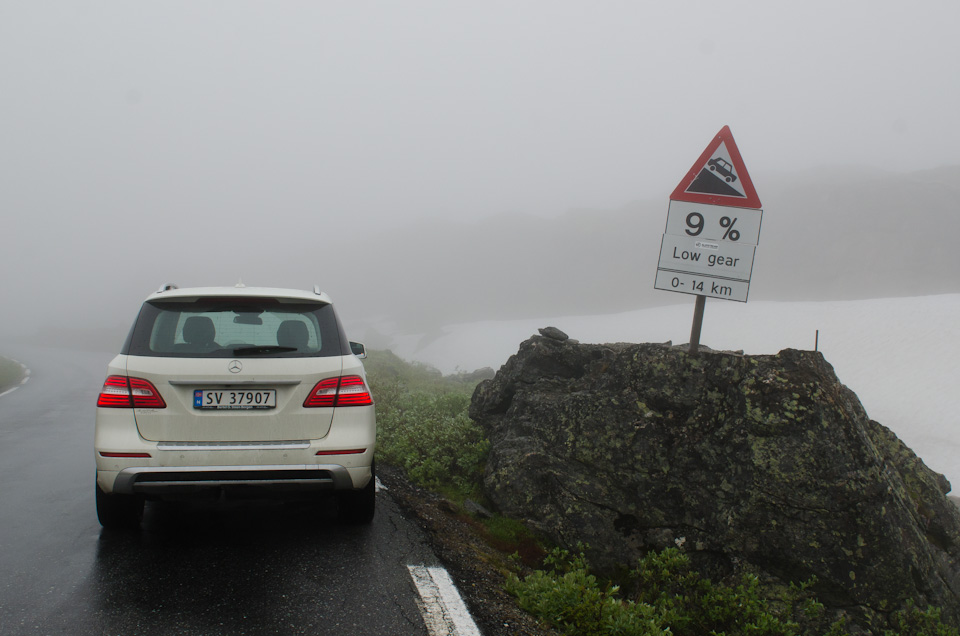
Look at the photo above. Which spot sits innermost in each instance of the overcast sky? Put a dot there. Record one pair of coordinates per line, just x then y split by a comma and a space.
133, 132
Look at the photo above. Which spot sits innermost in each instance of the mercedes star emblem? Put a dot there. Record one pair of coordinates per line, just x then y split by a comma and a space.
235, 366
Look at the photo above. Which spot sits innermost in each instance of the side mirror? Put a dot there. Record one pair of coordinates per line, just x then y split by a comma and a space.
358, 350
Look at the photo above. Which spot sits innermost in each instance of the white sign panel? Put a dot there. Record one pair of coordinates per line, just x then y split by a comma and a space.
719, 223
702, 285
691, 265
709, 258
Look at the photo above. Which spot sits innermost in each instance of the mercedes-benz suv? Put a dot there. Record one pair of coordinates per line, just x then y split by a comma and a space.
235, 391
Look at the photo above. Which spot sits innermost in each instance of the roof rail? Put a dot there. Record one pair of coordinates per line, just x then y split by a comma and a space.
167, 287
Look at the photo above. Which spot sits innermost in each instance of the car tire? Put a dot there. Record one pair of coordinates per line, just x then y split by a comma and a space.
358, 506
119, 511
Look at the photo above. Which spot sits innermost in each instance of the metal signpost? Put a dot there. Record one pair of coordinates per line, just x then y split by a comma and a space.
713, 227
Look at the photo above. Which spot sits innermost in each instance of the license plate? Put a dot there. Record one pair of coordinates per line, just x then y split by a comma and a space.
234, 399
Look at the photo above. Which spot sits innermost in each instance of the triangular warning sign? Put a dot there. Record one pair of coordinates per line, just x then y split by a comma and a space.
719, 177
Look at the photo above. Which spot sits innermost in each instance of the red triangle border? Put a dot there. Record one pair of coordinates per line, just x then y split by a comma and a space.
752, 200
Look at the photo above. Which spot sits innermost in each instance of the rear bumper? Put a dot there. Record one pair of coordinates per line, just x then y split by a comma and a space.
250, 480
254, 470
128, 464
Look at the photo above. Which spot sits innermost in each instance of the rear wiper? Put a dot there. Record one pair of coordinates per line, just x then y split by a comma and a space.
262, 349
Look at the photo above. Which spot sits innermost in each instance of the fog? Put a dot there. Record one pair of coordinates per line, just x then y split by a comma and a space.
384, 149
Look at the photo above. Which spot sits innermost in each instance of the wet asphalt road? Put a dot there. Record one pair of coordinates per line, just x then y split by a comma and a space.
265, 568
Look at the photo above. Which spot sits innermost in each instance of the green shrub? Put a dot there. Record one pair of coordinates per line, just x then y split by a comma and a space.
672, 598
572, 599
423, 426
433, 440
917, 622
695, 605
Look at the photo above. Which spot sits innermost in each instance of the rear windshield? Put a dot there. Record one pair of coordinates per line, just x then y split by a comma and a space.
235, 328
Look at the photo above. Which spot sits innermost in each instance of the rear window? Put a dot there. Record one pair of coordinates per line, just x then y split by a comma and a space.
235, 328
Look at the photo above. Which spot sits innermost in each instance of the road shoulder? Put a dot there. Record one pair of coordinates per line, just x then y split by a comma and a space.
470, 561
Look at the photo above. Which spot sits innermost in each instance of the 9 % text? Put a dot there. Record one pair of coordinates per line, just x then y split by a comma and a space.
695, 226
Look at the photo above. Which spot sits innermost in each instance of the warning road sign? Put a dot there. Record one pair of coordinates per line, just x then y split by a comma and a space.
719, 177
713, 227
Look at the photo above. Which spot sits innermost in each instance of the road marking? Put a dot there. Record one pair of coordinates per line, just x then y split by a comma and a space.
440, 603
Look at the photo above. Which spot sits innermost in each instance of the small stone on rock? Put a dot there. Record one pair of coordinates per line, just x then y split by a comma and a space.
553, 333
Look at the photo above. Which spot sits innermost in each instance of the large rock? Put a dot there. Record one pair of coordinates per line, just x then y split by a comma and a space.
762, 460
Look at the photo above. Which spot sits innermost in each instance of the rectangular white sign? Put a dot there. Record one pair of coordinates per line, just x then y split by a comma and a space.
718, 259
718, 269
702, 285
714, 222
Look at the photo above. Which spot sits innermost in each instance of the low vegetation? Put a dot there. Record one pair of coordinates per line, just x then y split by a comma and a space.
423, 426
664, 596
425, 430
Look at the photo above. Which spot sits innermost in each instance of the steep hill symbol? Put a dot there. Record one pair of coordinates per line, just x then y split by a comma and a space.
708, 182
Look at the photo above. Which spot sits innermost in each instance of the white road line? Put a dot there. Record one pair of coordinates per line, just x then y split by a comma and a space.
440, 603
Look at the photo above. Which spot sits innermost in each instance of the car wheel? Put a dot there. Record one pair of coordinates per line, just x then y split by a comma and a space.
358, 506
118, 511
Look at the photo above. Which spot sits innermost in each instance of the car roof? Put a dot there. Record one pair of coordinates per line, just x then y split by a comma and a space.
239, 291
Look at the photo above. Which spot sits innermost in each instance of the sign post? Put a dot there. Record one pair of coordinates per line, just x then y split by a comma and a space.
712, 232
697, 324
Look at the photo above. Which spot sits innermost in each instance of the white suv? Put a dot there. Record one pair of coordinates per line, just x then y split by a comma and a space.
237, 391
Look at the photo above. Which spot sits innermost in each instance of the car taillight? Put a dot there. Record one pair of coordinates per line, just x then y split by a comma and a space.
353, 392
347, 390
121, 392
